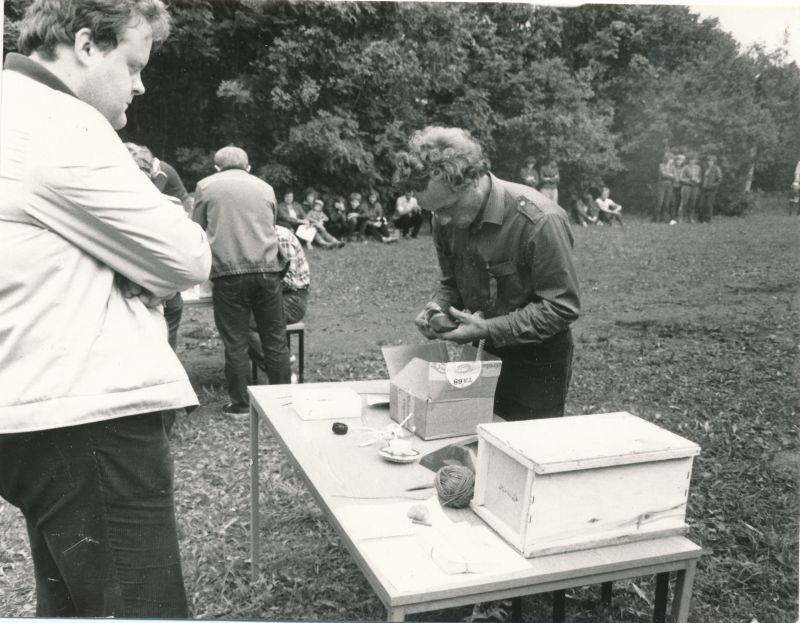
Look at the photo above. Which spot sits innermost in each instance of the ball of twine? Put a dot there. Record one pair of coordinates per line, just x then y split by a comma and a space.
455, 485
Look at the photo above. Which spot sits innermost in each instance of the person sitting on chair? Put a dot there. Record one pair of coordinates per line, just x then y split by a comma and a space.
295, 284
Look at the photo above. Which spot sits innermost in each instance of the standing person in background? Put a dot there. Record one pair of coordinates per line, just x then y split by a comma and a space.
167, 180
677, 167
711, 180
407, 214
166, 183
690, 178
505, 253
666, 177
528, 174
549, 179
238, 211
88, 250
794, 198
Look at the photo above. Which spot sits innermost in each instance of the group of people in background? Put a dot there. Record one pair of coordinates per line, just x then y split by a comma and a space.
241, 240
331, 221
686, 190
544, 179
602, 210
590, 207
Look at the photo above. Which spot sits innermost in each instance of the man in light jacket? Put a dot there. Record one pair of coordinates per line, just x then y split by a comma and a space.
88, 250
238, 211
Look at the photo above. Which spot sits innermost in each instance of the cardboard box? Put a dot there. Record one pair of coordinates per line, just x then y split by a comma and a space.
570, 483
447, 398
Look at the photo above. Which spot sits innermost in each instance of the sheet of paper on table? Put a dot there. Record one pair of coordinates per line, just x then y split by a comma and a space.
377, 521
329, 403
414, 556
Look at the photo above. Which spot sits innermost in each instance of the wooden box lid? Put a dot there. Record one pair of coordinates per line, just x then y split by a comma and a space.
586, 441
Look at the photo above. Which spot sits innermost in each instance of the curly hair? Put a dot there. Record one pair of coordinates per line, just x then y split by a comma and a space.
50, 23
451, 154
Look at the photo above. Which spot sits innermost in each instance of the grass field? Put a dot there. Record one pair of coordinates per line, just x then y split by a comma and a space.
693, 327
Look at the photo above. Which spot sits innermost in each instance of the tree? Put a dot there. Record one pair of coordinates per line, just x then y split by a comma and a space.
321, 93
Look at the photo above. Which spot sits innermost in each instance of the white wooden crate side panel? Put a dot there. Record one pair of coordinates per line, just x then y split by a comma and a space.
507, 492
612, 504
586, 441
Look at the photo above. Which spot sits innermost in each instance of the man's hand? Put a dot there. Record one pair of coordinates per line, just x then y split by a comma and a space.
471, 327
130, 290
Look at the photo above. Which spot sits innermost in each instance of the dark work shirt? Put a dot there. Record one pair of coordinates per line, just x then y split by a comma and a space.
514, 264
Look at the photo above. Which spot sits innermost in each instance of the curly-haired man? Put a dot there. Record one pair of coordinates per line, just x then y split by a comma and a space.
505, 253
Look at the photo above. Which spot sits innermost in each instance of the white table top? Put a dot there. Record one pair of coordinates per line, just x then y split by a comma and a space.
366, 500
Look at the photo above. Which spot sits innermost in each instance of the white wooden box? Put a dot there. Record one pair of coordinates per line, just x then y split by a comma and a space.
570, 483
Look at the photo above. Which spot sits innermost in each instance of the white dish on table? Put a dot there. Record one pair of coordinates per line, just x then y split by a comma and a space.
408, 456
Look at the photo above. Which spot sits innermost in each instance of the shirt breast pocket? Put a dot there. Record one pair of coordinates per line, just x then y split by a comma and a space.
506, 291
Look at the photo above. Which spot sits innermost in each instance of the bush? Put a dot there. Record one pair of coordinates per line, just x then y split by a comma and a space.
737, 203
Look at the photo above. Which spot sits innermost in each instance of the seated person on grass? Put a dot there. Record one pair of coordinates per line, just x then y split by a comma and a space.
337, 218
377, 224
407, 214
290, 213
610, 211
317, 218
586, 210
356, 218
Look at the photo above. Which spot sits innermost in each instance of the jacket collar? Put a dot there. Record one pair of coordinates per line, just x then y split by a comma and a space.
35, 71
494, 208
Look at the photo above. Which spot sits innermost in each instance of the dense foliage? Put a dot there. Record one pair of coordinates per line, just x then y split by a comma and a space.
323, 93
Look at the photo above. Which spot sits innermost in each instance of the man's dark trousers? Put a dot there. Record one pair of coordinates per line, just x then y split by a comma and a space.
235, 298
98, 502
708, 196
534, 378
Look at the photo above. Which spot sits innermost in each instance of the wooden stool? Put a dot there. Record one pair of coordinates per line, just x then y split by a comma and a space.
298, 329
